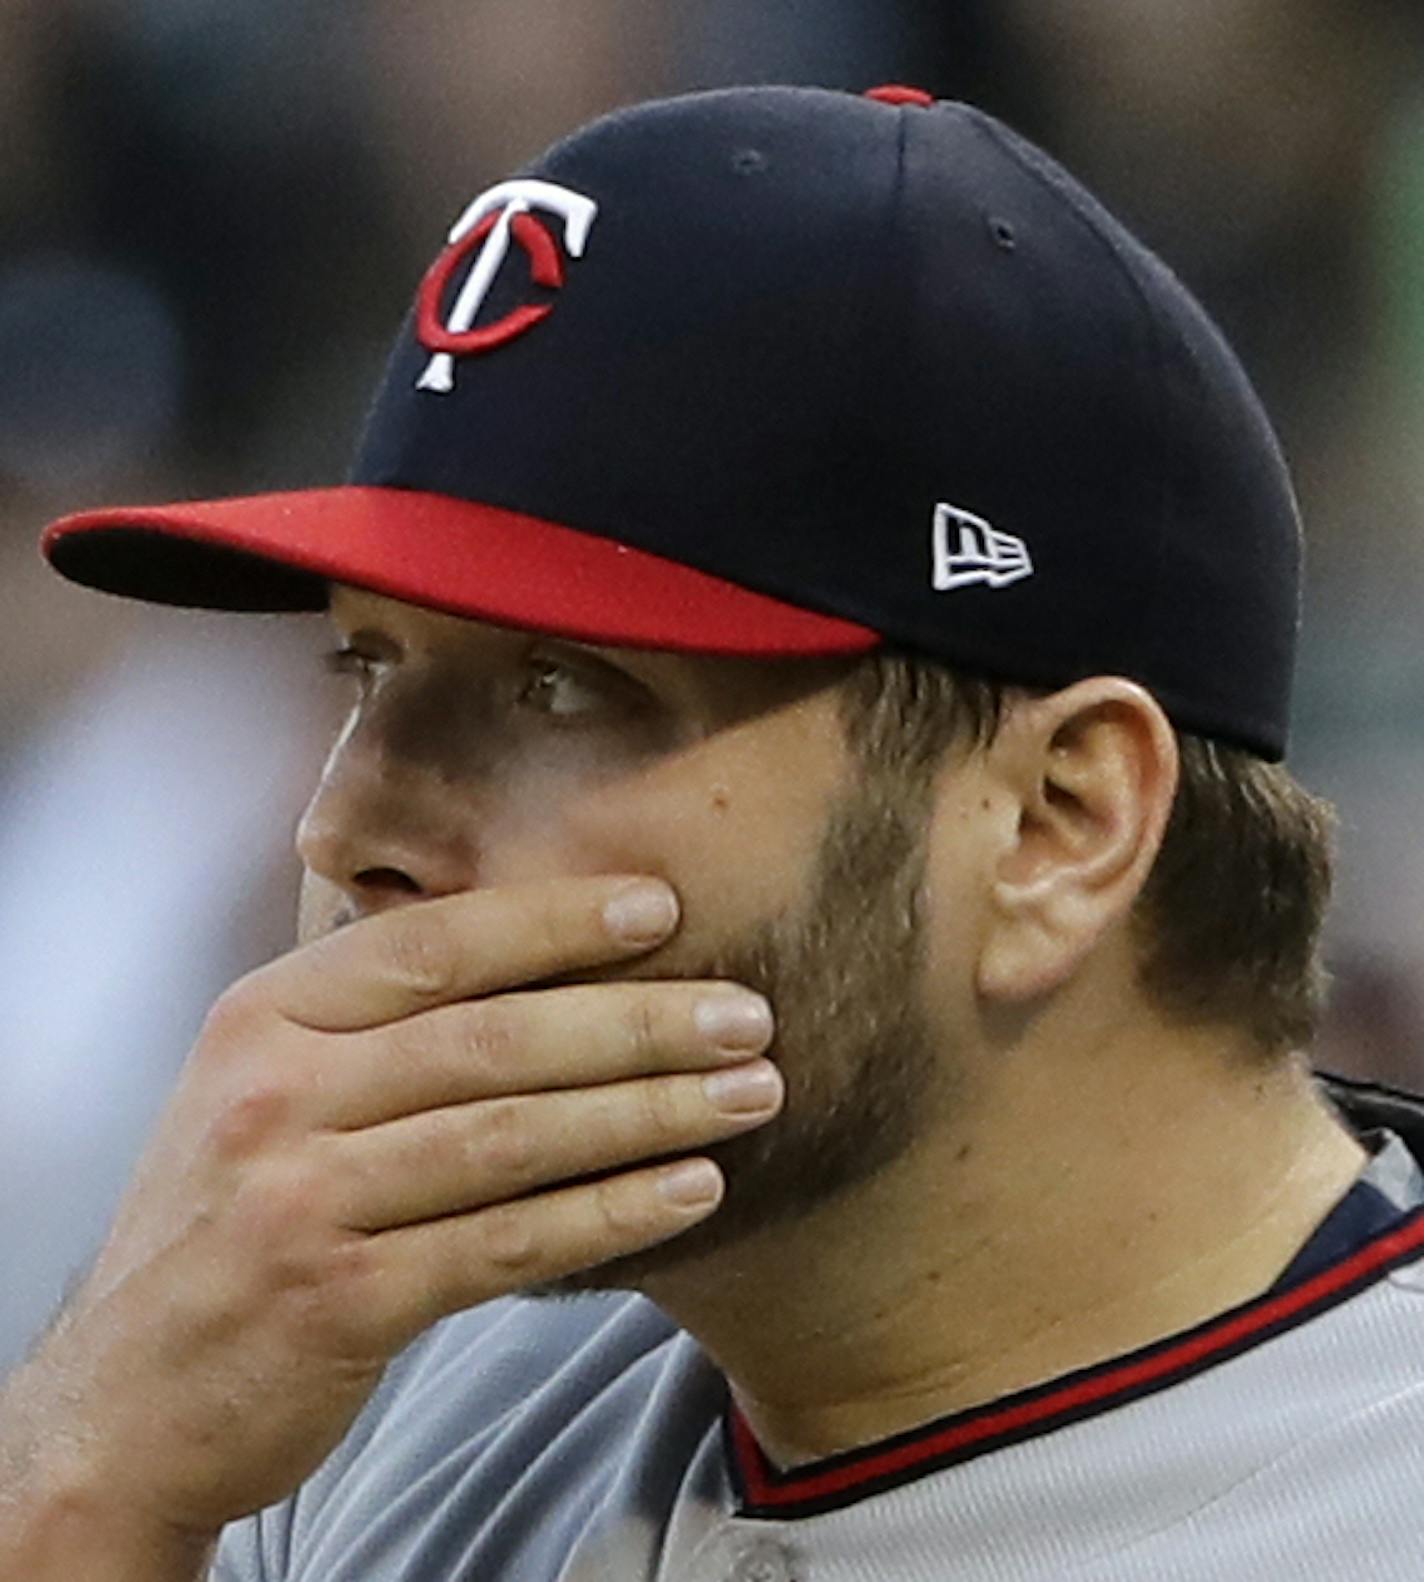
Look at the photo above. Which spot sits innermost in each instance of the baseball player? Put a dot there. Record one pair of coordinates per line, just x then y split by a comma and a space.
793, 1072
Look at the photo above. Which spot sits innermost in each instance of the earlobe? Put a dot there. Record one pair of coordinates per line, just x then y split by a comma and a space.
1093, 770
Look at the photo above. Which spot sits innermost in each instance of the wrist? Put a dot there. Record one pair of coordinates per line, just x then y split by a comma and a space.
62, 1518
54, 1529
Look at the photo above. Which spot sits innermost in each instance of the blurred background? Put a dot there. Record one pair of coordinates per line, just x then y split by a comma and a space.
211, 219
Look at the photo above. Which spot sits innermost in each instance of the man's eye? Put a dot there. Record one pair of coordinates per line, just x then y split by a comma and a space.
554, 688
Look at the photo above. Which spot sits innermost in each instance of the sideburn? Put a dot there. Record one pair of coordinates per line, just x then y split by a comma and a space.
844, 973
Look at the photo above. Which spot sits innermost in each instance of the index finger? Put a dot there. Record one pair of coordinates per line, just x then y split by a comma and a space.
459, 947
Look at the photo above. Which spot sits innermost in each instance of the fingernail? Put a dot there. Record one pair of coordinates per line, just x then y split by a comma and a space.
642, 913
745, 1090
737, 1022
691, 1183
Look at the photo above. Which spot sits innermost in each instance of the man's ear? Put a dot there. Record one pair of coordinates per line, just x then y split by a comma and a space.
1088, 775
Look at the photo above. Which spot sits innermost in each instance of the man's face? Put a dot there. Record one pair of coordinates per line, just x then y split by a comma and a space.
479, 756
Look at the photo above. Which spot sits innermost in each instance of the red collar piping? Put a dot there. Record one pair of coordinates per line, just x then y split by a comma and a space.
840, 1480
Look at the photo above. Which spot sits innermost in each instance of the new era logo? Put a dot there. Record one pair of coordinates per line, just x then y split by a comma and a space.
967, 551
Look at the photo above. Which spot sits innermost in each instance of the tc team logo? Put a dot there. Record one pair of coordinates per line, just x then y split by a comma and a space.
481, 238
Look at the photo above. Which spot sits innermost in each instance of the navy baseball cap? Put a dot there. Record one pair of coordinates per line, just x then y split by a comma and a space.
782, 371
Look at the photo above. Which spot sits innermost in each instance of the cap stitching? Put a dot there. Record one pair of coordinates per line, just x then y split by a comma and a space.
896, 344
1038, 165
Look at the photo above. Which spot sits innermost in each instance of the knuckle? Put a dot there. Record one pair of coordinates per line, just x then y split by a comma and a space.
474, 1043
507, 1242
486, 1039
282, 1208
341, 1263
250, 1117
619, 1210
503, 1142
418, 952
292, 1267
660, 1113
642, 1024
324, 1293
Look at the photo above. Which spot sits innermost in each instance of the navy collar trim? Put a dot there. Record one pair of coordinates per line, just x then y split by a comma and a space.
840, 1480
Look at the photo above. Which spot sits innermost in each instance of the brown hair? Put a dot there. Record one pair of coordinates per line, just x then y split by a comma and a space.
1229, 921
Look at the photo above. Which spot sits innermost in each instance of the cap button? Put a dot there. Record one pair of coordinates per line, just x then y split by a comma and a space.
897, 93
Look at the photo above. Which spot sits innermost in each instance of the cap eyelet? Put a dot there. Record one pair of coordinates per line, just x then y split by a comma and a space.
1003, 233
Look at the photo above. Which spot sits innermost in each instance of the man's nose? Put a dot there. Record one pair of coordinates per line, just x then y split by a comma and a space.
381, 847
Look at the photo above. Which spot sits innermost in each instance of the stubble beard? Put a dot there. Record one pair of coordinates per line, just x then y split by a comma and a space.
844, 974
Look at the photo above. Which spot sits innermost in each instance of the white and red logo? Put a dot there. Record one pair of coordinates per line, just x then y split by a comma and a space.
481, 238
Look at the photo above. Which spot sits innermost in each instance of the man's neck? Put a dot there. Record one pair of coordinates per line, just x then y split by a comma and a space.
1069, 1217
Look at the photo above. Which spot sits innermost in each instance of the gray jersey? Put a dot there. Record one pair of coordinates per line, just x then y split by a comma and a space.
588, 1440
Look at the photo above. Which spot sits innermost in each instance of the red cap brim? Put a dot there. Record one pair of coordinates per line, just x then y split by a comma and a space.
281, 551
